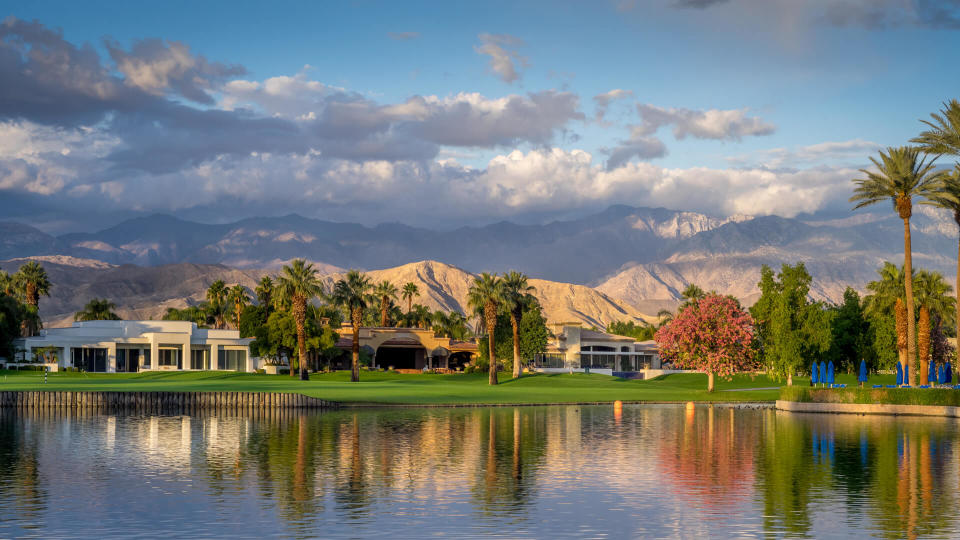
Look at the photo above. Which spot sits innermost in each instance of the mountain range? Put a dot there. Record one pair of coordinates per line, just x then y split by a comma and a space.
624, 262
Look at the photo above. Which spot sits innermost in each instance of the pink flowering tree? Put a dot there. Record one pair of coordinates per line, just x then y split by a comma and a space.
712, 334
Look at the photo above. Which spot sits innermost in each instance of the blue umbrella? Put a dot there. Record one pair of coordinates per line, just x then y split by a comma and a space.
949, 369
862, 377
899, 374
823, 373
830, 372
906, 374
813, 374
932, 372
941, 376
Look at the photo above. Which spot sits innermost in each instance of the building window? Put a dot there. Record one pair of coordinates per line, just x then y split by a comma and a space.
92, 359
232, 360
200, 359
167, 357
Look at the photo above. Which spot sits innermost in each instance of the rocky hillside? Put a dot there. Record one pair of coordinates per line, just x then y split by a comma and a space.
146, 292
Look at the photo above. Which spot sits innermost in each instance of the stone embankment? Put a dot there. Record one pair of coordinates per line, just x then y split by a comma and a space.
162, 401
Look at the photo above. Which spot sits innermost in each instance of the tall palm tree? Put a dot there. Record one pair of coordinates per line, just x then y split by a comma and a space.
300, 283
216, 297
421, 316
901, 175
32, 281
410, 290
264, 292
97, 309
933, 296
948, 197
240, 299
517, 292
352, 292
386, 292
943, 137
487, 296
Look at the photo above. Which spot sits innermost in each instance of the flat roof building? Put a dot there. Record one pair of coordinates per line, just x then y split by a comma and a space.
574, 348
131, 346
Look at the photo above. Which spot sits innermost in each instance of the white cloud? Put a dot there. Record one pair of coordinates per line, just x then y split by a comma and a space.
505, 62
602, 101
730, 124
854, 151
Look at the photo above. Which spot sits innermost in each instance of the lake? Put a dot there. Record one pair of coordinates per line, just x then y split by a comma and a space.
546, 472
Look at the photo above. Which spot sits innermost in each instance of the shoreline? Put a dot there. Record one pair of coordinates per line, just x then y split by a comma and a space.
864, 409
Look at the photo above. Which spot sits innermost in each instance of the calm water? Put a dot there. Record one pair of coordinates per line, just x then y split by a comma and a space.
652, 471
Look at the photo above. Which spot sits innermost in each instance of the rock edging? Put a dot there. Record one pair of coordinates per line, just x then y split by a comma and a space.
869, 408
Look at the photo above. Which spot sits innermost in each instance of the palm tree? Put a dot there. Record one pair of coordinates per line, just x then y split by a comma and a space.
901, 175
34, 281
97, 310
216, 297
239, 298
7, 284
421, 317
410, 290
518, 293
299, 282
943, 137
386, 292
948, 197
352, 292
933, 296
887, 295
486, 297
264, 291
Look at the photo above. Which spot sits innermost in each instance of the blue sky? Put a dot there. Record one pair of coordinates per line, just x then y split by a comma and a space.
721, 106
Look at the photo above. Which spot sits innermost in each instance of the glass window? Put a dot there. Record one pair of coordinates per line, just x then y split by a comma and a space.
167, 357
232, 360
199, 359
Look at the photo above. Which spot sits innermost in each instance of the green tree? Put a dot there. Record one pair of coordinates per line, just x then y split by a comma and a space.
239, 299
943, 137
410, 291
264, 292
792, 330
11, 315
886, 309
97, 309
217, 303
386, 292
901, 175
196, 314
487, 297
851, 340
948, 197
352, 292
7, 284
517, 294
640, 332
932, 295
33, 281
533, 332
299, 283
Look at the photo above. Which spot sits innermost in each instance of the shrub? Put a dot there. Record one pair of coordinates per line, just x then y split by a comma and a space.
887, 396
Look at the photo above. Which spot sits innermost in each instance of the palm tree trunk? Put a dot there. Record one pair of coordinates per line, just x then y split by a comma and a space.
908, 286
923, 342
490, 314
299, 316
516, 344
355, 316
383, 311
32, 297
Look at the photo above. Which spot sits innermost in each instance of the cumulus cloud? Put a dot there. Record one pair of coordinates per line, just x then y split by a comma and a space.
505, 61
602, 101
730, 124
159, 68
639, 145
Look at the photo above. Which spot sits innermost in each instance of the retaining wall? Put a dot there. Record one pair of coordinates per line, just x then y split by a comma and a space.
162, 401
869, 408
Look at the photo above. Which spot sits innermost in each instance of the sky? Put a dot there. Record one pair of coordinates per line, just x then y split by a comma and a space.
442, 114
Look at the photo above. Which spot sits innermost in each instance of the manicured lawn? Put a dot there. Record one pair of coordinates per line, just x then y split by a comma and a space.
393, 388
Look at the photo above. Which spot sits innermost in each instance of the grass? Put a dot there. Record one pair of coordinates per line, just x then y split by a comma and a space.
420, 389
868, 395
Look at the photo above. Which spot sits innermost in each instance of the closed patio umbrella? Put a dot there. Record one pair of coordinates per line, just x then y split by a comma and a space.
830, 372
899, 374
823, 372
949, 369
862, 376
932, 372
906, 374
813, 374
941, 375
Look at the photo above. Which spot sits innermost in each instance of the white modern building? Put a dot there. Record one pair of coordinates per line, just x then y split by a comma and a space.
574, 348
129, 346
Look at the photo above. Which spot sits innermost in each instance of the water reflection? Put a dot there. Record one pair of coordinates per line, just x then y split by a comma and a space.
530, 471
